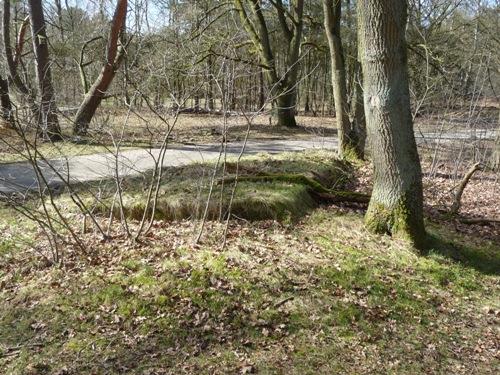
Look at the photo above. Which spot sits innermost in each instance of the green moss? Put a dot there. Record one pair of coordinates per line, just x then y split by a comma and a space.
280, 187
131, 264
351, 153
402, 220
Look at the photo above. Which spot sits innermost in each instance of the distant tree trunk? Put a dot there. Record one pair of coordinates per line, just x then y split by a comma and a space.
210, 89
332, 15
13, 59
495, 157
396, 205
283, 89
98, 90
285, 110
48, 123
262, 90
59, 11
6, 105
348, 137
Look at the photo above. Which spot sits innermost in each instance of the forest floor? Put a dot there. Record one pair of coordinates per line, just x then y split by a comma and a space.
316, 294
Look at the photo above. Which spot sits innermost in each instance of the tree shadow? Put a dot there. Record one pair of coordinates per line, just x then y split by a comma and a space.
485, 259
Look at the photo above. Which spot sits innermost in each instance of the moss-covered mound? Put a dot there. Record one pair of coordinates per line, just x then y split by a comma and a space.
280, 187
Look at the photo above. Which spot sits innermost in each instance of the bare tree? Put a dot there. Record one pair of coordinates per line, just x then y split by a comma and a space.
48, 124
291, 23
98, 90
12, 58
396, 205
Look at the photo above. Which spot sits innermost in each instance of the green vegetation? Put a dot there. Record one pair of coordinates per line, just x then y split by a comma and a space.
282, 187
315, 294
323, 296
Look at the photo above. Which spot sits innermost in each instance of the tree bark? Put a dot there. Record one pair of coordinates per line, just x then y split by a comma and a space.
12, 61
210, 89
495, 156
98, 90
48, 124
358, 123
262, 91
285, 110
396, 205
290, 19
6, 105
332, 15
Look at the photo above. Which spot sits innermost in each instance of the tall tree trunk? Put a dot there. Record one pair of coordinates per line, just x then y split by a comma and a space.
48, 123
59, 11
495, 156
26, 94
98, 90
6, 105
396, 204
283, 89
332, 15
358, 112
262, 90
285, 110
210, 88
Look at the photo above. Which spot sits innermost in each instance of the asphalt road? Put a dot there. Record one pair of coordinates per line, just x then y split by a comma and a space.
21, 177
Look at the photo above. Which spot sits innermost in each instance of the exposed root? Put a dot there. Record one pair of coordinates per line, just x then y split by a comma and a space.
319, 191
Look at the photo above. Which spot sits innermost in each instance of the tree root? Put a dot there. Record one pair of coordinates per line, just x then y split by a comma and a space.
478, 220
319, 191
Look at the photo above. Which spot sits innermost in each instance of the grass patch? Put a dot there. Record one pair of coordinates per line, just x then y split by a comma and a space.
317, 297
185, 191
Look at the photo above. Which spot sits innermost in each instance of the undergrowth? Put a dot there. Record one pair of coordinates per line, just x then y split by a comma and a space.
313, 294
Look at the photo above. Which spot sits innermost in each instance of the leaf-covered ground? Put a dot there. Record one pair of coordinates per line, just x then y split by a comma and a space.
321, 296
315, 296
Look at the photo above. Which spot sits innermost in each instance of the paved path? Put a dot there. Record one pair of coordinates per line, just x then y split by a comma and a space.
20, 177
